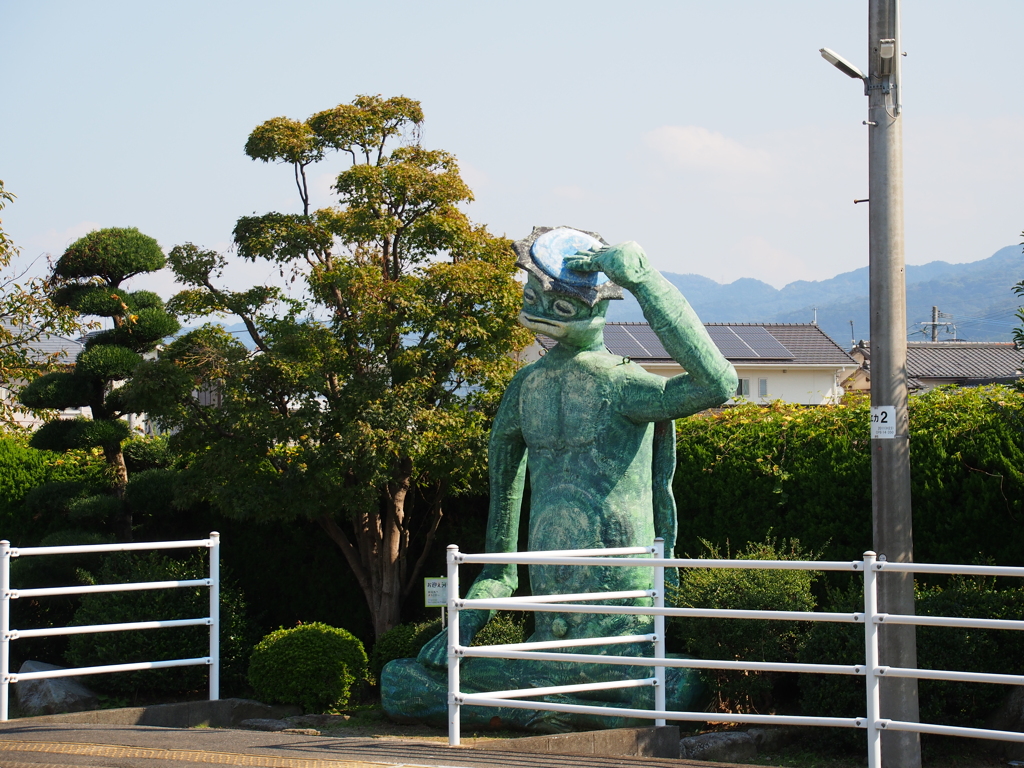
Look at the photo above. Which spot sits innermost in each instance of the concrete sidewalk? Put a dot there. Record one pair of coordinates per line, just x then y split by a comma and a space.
24, 744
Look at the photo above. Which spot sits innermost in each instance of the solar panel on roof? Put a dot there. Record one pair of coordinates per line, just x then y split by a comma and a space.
618, 341
648, 340
738, 341
728, 343
762, 342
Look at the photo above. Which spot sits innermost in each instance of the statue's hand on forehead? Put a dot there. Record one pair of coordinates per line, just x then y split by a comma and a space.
625, 263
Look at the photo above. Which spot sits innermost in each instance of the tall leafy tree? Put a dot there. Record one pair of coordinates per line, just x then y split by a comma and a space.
27, 317
366, 403
88, 280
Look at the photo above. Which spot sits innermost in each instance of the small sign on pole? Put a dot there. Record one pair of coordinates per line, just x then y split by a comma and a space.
883, 422
435, 594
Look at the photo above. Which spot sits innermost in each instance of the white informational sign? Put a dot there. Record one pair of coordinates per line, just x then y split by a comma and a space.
883, 422
435, 592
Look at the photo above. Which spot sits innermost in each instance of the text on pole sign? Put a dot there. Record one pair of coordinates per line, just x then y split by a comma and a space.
435, 592
883, 422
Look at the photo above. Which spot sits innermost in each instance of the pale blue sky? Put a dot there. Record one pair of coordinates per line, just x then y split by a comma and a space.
712, 133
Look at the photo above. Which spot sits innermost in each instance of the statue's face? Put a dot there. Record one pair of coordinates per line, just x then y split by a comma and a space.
563, 318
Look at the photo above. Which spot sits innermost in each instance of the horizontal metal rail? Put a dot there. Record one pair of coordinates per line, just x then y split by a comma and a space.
572, 553
580, 642
553, 690
543, 558
942, 674
950, 730
577, 598
479, 699
648, 610
503, 652
126, 547
962, 570
947, 621
17, 677
90, 589
86, 629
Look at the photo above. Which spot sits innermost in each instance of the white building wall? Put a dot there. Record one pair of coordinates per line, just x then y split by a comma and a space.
802, 385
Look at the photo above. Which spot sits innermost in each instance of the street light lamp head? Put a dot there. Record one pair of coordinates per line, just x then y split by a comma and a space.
842, 64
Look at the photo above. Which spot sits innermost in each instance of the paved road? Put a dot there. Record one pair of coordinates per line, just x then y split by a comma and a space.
106, 746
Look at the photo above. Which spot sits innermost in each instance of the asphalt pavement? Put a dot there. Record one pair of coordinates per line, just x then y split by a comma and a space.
29, 745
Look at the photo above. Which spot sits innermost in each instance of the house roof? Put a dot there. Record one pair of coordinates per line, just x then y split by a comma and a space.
746, 343
45, 346
960, 360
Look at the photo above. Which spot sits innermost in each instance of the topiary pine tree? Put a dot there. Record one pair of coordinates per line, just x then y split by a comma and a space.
87, 279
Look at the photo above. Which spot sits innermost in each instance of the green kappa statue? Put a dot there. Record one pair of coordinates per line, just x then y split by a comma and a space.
595, 432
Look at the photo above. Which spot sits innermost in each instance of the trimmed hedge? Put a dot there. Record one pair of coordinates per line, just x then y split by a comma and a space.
313, 665
806, 473
27, 511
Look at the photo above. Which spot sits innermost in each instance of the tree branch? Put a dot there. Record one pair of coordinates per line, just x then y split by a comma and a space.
338, 536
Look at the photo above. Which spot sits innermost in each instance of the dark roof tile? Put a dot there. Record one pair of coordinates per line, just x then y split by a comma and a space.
985, 360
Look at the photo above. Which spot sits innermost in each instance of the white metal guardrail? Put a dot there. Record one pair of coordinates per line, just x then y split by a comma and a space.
7, 594
653, 557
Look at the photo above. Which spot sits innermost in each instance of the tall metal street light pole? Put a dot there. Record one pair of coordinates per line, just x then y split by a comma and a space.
890, 447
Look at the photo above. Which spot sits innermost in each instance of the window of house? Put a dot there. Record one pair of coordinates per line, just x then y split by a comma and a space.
743, 389
762, 387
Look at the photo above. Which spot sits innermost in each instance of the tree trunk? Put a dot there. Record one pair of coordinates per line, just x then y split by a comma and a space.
389, 565
380, 549
119, 472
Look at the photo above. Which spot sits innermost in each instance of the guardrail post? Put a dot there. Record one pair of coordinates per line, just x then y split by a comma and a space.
659, 631
454, 714
5, 627
871, 661
214, 616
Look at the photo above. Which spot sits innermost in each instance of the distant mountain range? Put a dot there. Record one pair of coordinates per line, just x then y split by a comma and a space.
976, 296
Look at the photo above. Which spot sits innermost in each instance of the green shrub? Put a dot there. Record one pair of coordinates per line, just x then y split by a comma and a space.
26, 517
750, 469
835, 695
312, 665
142, 453
743, 639
503, 628
401, 642
159, 644
55, 610
969, 650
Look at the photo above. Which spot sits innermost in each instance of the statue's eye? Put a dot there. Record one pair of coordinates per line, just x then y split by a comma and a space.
529, 295
564, 308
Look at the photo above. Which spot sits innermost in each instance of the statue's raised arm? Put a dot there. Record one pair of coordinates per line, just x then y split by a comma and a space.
710, 379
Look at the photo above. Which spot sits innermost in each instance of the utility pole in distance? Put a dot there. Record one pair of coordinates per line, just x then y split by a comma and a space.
890, 449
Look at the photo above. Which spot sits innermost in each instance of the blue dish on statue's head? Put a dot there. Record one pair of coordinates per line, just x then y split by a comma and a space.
550, 250
543, 254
